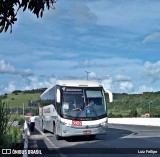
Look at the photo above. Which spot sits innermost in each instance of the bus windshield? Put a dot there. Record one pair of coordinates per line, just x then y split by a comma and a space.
83, 103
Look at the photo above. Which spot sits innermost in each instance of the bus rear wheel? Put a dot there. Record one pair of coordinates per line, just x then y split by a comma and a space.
54, 129
44, 130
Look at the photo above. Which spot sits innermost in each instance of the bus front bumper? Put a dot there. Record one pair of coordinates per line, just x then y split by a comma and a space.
82, 131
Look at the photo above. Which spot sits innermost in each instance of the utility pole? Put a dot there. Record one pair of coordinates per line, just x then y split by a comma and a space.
17, 110
87, 72
23, 110
150, 108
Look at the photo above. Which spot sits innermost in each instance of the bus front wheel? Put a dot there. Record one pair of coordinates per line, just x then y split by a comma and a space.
55, 132
58, 137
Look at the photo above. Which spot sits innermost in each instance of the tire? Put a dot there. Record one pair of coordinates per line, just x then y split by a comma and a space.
54, 129
44, 130
56, 135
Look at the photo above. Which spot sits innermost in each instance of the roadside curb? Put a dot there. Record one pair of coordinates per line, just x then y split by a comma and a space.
25, 136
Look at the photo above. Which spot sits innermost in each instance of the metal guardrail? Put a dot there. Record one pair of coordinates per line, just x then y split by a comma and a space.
25, 136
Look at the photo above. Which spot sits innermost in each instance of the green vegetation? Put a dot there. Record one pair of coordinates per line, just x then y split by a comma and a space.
10, 135
11, 110
124, 105
14, 117
135, 105
3, 123
14, 137
17, 98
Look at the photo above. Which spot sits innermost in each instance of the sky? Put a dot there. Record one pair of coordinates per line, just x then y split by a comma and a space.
116, 41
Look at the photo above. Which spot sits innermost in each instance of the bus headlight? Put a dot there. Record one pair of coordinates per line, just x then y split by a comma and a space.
67, 124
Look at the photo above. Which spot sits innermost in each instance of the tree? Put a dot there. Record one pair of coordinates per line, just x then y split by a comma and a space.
133, 113
9, 9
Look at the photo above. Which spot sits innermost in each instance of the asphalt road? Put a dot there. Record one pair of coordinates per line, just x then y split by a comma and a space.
120, 141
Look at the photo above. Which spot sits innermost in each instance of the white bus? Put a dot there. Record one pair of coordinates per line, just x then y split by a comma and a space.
73, 108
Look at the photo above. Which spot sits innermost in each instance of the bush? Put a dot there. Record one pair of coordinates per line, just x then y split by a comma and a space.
133, 113
13, 137
21, 120
15, 134
4, 118
13, 117
9, 134
111, 115
119, 116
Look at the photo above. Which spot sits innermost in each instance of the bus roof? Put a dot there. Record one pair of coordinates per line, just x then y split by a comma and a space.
78, 83
74, 83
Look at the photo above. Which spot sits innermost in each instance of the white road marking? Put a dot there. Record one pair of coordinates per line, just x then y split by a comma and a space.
138, 135
52, 144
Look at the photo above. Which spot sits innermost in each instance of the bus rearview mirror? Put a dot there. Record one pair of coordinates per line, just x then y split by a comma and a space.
110, 95
58, 96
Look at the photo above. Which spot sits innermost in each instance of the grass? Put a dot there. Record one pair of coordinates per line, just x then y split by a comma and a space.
12, 136
124, 113
17, 100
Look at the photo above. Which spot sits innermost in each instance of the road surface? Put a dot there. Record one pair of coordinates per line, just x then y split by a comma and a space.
120, 141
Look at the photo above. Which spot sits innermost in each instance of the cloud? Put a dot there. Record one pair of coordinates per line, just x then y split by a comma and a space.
152, 70
77, 11
140, 14
27, 83
126, 86
82, 13
107, 84
6, 67
144, 88
86, 63
122, 78
151, 37
108, 61
9, 69
92, 75
34, 83
11, 87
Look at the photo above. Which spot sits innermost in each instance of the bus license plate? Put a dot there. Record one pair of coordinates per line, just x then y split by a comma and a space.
76, 123
87, 132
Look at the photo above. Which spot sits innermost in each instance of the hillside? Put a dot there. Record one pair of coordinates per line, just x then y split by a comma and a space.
142, 103
122, 105
16, 99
